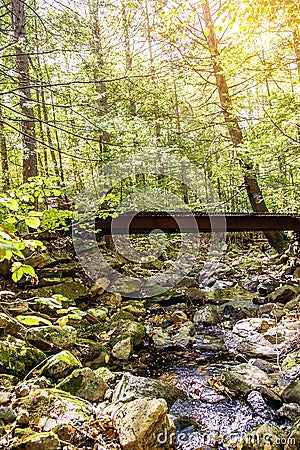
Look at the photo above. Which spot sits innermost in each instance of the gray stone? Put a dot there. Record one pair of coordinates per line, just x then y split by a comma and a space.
290, 410
84, 383
283, 294
144, 424
128, 328
291, 394
161, 338
293, 439
249, 343
7, 414
11, 326
131, 387
123, 349
244, 378
127, 286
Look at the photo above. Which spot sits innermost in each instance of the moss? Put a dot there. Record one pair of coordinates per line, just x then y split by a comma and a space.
128, 328
17, 358
292, 360
60, 365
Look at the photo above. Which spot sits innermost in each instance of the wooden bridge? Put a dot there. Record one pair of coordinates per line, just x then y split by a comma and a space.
175, 222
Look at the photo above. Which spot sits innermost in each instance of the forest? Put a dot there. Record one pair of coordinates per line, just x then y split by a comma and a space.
169, 341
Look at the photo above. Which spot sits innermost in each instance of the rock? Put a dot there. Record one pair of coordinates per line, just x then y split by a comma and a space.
161, 338
263, 437
291, 365
7, 381
271, 397
283, 294
100, 286
105, 374
126, 286
208, 343
4, 397
74, 291
290, 410
293, 439
188, 282
291, 394
123, 349
208, 315
135, 307
131, 387
128, 328
11, 326
92, 354
84, 383
178, 317
244, 378
7, 414
41, 260
38, 441
17, 357
23, 418
293, 304
60, 365
195, 295
52, 407
259, 406
144, 424
249, 343
259, 324
99, 313
48, 336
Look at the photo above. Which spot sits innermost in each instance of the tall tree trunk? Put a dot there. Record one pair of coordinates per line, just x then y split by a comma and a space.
276, 239
22, 68
128, 53
4, 155
296, 44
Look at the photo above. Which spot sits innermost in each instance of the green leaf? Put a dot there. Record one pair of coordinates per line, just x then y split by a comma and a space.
32, 222
33, 320
17, 275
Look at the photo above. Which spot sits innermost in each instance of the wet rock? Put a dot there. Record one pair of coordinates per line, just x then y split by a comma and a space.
259, 406
283, 294
61, 337
271, 309
266, 366
23, 418
38, 441
11, 326
60, 365
263, 437
128, 328
291, 394
290, 410
144, 424
207, 315
259, 324
195, 295
135, 307
291, 365
131, 387
17, 357
208, 343
271, 397
123, 349
99, 313
249, 343
41, 260
92, 354
7, 414
244, 378
188, 282
84, 383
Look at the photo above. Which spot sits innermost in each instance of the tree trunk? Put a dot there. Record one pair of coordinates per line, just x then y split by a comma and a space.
4, 155
22, 68
276, 239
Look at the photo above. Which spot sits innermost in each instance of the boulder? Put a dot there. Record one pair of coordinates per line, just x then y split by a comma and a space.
161, 338
131, 387
60, 365
123, 349
84, 383
291, 394
38, 441
52, 336
73, 290
249, 343
263, 437
18, 358
144, 424
244, 378
92, 354
293, 439
282, 294
99, 313
290, 410
128, 328
207, 314
10, 326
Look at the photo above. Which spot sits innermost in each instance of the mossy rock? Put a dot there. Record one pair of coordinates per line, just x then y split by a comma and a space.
291, 360
84, 383
60, 365
99, 313
135, 307
128, 328
72, 290
121, 315
56, 406
17, 357
8, 381
11, 326
60, 337
92, 354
